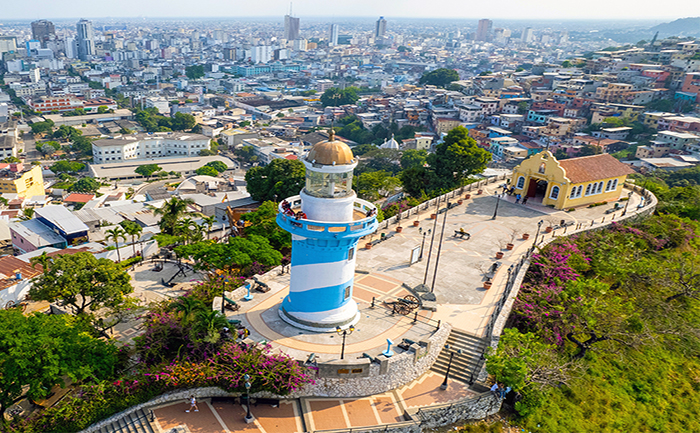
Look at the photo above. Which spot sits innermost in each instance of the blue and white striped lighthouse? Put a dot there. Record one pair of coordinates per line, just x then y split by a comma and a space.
326, 221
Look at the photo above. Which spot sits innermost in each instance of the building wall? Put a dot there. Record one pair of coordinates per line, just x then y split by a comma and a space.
147, 149
544, 166
31, 183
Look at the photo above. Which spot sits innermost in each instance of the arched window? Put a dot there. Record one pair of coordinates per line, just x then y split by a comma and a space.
521, 182
543, 167
578, 193
554, 194
608, 185
588, 189
600, 188
573, 192
614, 185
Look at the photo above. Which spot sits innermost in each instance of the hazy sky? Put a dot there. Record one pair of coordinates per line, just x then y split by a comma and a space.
511, 9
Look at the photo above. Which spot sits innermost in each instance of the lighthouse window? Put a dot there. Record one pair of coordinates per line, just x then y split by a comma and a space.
351, 253
347, 292
328, 185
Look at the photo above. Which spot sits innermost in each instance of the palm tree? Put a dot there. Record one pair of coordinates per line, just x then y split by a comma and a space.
209, 222
132, 229
116, 234
171, 211
27, 214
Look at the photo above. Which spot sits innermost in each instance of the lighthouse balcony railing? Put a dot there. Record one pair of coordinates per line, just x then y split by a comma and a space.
364, 218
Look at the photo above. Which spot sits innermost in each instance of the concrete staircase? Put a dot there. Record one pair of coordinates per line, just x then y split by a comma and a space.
465, 366
136, 422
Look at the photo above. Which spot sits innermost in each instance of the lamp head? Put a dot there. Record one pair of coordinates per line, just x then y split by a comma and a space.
246, 377
247, 385
338, 330
351, 328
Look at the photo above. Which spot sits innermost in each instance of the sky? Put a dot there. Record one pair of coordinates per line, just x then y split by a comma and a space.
504, 9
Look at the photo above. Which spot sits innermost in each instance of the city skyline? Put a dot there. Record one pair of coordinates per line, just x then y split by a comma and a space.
508, 9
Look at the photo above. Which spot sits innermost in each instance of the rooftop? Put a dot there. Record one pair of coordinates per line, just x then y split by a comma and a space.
594, 167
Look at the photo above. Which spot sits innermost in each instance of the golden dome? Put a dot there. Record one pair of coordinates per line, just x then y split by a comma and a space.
331, 152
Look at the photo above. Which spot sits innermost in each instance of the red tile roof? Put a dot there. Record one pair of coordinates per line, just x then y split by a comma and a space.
594, 167
78, 198
9, 265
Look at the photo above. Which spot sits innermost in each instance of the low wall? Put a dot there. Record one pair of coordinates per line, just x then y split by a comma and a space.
474, 408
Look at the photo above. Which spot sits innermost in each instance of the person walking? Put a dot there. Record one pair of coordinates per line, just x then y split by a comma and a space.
494, 390
517, 199
524, 199
193, 404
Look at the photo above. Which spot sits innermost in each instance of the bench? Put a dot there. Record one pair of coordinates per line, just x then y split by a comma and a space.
230, 304
459, 234
234, 323
215, 400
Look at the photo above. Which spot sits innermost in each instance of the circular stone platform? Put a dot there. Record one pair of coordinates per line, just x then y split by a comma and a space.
375, 326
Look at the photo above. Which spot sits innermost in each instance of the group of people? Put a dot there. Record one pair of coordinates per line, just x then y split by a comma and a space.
287, 208
500, 390
511, 191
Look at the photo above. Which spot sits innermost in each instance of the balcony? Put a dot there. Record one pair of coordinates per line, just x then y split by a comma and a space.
361, 225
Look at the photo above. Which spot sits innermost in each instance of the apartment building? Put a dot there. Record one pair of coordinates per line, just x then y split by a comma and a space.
15, 179
148, 146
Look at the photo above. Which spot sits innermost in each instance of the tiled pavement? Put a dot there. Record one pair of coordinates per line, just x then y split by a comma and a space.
311, 414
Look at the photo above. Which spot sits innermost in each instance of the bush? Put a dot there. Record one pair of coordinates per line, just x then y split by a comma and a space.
130, 262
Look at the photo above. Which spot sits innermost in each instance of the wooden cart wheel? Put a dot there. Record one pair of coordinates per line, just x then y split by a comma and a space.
412, 299
9, 305
403, 309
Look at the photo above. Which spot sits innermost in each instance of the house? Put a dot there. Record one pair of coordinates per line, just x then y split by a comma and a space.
571, 182
15, 279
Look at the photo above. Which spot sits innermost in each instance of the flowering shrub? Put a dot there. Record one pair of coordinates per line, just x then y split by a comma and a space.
87, 404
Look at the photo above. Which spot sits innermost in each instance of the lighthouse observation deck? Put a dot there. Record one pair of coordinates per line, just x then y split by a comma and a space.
293, 220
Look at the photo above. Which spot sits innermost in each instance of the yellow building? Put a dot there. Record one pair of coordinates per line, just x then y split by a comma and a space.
571, 182
25, 183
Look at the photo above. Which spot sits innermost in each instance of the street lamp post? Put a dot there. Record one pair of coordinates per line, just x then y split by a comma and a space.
344, 333
495, 211
627, 203
449, 366
539, 225
437, 258
249, 418
421, 246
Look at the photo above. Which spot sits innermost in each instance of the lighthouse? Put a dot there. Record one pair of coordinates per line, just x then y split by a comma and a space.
326, 221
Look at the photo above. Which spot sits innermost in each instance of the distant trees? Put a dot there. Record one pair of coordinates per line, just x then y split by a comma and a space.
64, 166
45, 127
194, 72
336, 97
48, 147
219, 166
170, 212
152, 121
87, 185
147, 170
207, 171
234, 257
440, 77
279, 179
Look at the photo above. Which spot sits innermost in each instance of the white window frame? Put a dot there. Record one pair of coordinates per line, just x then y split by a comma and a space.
519, 184
588, 189
599, 187
551, 192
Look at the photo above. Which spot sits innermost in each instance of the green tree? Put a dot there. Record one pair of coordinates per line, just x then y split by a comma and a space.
182, 122
37, 351
372, 185
147, 170
116, 234
336, 97
87, 185
458, 157
361, 149
194, 72
246, 154
414, 157
440, 77
81, 281
209, 222
207, 171
45, 127
566, 64
48, 147
170, 212
11, 160
81, 145
66, 167
219, 166
279, 179
235, 256
65, 132
133, 229
102, 109
263, 223
27, 214
522, 107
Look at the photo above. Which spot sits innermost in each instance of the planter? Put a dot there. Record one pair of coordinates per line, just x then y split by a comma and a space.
433, 216
481, 191
526, 236
460, 201
416, 223
499, 255
548, 229
368, 245
487, 285
509, 247
399, 229
467, 196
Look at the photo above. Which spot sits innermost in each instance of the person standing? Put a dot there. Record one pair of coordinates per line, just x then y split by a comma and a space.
517, 198
524, 199
193, 404
494, 390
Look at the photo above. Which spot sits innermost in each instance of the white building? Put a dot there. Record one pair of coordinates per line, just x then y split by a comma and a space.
160, 103
148, 146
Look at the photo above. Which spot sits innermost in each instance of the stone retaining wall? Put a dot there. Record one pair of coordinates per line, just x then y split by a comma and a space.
475, 408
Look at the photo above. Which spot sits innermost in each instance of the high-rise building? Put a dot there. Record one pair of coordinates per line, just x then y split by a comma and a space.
528, 35
483, 31
8, 44
334, 35
43, 31
380, 30
70, 48
85, 39
291, 28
